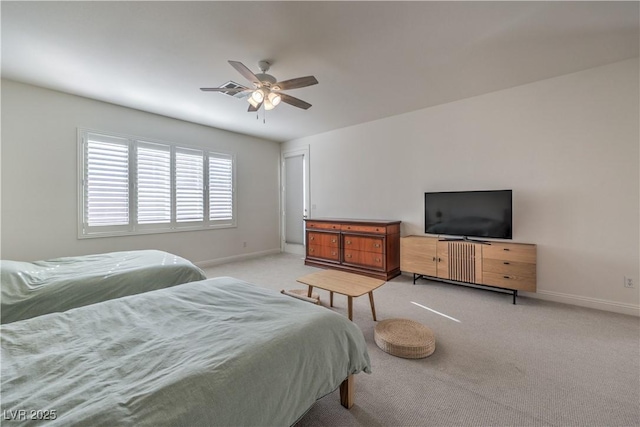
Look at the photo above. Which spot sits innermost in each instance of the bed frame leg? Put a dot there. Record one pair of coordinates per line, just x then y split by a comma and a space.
347, 392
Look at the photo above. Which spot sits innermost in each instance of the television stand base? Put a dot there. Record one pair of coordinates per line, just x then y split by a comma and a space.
464, 239
513, 292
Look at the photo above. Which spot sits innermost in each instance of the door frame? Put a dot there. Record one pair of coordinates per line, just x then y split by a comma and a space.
304, 151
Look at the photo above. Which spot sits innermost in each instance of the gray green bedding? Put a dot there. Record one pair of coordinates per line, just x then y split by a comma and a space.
218, 352
31, 289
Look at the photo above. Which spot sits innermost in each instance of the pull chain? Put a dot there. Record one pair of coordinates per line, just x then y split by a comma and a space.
264, 115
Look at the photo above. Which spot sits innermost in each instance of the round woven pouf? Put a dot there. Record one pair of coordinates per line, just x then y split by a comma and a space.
404, 338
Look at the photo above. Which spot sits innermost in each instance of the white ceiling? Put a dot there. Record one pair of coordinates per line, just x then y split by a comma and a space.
372, 59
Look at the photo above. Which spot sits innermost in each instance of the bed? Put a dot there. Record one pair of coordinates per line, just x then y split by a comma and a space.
214, 352
31, 289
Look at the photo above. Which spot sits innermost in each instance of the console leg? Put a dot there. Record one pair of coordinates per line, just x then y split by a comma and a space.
515, 294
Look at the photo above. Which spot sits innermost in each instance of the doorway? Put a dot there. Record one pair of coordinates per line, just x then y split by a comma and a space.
295, 199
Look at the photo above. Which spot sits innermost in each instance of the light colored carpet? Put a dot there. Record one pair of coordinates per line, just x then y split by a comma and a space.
536, 363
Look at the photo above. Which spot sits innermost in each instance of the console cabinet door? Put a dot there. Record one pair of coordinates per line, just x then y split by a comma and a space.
418, 255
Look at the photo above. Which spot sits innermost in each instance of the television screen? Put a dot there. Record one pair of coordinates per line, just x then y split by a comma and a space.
469, 213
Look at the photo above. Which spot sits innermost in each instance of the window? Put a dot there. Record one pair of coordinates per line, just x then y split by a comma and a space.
133, 186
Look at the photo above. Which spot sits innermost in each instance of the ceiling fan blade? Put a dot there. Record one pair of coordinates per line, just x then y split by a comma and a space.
296, 83
246, 73
294, 101
254, 109
225, 89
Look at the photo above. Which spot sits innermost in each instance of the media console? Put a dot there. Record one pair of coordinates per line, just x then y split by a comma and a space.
502, 266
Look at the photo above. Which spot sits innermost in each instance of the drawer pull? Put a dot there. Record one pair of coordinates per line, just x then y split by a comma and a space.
348, 242
349, 228
377, 259
311, 238
434, 258
505, 249
377, 245
334, 226
311, 250
333, 253
506, 263
348, 255
333, 240
377, 229
506, 277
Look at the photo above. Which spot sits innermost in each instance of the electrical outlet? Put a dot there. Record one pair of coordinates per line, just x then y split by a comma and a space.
628, 282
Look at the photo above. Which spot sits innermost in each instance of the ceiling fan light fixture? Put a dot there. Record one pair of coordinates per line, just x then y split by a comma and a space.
268, 105
258, 95
253, 102
274, 98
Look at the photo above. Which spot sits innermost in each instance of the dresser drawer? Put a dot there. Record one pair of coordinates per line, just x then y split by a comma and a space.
322, 225
513, 268
510, 281
365, 228
323, 239
368, 259
510, 252
323, 252
361, 243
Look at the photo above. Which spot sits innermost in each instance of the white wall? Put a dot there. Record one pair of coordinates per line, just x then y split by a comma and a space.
39, 179
567, 146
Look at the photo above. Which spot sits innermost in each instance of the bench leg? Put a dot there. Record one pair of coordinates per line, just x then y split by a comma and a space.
309, 291
373, 306
347, 392
350, 307
330, 298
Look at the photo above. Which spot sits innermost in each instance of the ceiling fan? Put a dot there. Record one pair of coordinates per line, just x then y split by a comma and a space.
267, 89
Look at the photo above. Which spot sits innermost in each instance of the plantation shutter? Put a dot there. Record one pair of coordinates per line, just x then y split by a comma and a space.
130, 186
189, 185
106, 181
220, 187
153, 183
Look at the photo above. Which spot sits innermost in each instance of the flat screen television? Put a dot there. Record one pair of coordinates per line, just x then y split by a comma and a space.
469, 213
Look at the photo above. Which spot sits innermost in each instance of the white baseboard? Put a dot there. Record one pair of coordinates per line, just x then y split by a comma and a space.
599, 304
294, 249
217, 261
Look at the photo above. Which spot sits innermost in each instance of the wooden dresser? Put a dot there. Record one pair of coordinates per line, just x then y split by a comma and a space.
367, 247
